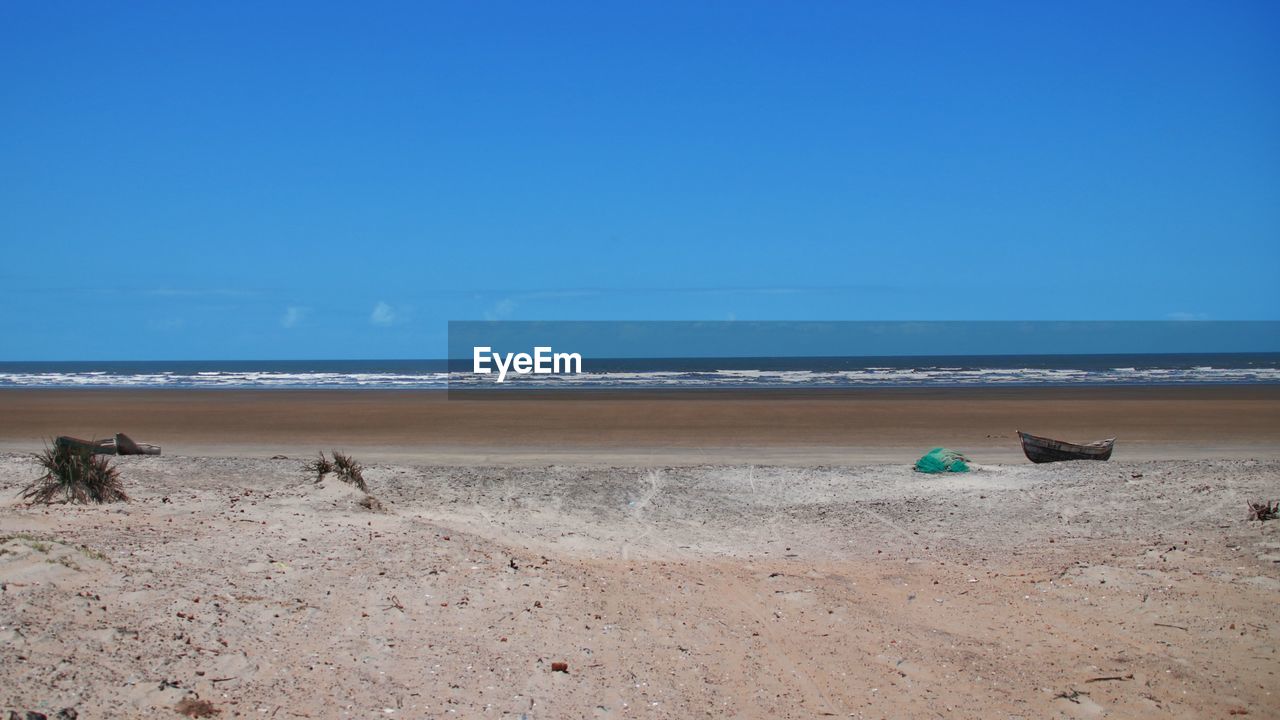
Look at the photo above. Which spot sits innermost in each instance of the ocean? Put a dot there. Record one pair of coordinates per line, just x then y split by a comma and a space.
666, 373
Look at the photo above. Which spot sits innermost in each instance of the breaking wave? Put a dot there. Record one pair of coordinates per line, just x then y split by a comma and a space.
928, 376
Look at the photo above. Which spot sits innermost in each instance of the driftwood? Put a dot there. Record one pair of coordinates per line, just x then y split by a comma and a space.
1105, 678
121, 444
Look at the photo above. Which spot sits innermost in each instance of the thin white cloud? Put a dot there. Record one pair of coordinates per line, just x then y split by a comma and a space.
294, 315
501, 310
1188, 316
383, 314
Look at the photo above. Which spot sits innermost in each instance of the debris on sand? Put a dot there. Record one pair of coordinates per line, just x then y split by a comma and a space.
1071, 695
121, 444
1106, 678
1264, 510
195, 708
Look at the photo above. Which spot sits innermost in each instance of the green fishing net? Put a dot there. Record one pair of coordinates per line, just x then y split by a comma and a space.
942, 460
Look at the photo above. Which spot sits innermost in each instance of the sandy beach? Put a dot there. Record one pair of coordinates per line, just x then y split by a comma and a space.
1124, 589
804, 577
638, 319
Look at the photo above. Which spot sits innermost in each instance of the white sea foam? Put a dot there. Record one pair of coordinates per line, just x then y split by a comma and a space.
728, 378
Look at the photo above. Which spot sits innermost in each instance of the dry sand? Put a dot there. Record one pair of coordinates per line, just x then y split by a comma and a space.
1122, 589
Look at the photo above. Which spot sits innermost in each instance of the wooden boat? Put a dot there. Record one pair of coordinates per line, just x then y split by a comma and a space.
1043, 450
121, 444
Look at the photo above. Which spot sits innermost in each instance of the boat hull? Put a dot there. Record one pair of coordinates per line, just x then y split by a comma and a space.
1045, 450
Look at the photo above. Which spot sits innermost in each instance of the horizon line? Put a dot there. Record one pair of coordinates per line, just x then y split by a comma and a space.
655, 357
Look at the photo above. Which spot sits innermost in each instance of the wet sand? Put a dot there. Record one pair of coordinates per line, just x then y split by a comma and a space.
811, 427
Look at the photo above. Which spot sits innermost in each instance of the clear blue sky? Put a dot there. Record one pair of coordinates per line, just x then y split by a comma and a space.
277, 180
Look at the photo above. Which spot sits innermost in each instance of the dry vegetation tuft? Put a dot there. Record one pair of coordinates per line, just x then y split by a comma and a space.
348, 470
321, 466
1264, 510
74, 475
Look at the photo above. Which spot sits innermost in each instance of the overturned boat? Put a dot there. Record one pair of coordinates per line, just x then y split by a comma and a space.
1043, 450
121, 444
